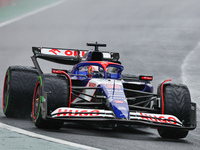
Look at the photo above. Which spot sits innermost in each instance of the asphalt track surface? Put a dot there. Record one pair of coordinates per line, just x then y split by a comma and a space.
157, 37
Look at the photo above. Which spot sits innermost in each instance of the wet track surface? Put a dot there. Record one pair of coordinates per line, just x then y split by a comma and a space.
157, 37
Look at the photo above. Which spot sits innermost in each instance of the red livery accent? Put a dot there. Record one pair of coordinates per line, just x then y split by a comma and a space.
4, 90
54, 51
33, 104
83, 113
70, 82
172, 119
92, 84
119, 102
161, 119
146, 78
69, 53
104, 64
69, 112
158, 118
61, 111
82, 53
162, 95
72, 53
94, 111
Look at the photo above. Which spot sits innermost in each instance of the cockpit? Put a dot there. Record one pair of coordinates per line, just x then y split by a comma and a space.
98, 70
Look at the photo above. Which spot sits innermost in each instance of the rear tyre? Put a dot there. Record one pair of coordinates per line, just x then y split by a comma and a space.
177, 102
57, 90
18, 91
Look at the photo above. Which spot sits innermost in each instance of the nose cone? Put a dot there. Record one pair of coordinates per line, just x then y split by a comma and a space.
114, 91
120, 108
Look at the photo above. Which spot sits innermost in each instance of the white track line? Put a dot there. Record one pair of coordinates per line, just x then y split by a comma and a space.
28, 133
191, 74
35, 135
29, 14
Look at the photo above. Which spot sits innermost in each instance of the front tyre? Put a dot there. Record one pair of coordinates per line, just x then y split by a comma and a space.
57, 90
177, 102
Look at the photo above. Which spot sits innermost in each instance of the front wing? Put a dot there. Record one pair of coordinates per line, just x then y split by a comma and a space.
108, 117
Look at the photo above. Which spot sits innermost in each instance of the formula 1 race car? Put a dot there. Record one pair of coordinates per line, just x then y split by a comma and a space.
95, 91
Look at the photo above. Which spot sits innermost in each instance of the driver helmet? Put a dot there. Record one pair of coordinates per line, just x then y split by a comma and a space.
92, 70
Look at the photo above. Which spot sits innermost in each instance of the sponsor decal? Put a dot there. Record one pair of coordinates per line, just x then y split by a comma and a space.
92, 84
111, 86
71, 53
159, 118
119, 101
74, 112
55, 51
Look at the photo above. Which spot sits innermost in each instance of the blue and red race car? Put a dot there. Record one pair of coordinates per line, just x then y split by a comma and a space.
95, 91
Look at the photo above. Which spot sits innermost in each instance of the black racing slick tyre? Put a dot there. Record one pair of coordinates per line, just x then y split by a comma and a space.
57, 89
18, 91
177, 102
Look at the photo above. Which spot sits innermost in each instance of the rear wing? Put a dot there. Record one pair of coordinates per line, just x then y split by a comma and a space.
72, 56
59, 55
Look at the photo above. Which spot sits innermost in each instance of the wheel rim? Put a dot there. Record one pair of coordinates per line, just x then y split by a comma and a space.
5, 93
36, 102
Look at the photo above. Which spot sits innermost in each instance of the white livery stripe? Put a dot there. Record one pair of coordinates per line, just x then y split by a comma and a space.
77, 112
158, 118
62, 52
